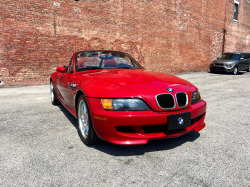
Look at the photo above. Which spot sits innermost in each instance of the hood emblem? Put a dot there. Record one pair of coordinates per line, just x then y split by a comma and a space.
180, 121
170, 90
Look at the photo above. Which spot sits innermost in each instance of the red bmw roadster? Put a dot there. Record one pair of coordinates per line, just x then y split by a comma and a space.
115, 99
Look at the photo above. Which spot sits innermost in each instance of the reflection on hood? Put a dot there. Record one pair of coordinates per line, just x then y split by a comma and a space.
223, 61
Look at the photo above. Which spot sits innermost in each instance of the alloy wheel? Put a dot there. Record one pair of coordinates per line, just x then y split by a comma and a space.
83, 119
235, 70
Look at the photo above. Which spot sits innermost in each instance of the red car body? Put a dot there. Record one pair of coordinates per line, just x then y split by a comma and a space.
128, 127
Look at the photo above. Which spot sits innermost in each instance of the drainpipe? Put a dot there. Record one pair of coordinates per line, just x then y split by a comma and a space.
224, 40
224, 29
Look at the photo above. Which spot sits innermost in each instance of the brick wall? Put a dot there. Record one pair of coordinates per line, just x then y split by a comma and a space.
238, 32
167, 36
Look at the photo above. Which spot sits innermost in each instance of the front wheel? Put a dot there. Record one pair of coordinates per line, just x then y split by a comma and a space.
85, 128
248, 70
235, 71
53, 96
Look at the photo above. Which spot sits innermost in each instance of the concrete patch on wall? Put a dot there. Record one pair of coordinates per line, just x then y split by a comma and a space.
77, 9
56, 3
217, 40
248, 40
183, 14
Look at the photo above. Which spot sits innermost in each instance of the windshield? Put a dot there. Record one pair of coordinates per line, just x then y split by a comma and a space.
87, 60
230, 56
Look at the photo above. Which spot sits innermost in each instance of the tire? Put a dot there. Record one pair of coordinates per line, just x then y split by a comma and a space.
235, 71
248, 70
85, 127
53, 96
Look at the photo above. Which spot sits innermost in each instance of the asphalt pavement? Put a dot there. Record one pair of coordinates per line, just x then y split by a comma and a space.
40, 146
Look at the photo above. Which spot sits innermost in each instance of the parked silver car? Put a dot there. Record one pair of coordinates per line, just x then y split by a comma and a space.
231, 62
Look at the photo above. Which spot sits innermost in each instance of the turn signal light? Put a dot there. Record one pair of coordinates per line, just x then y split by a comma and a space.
100, 118
107, 104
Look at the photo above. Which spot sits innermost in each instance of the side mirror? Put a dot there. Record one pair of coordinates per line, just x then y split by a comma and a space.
61, 69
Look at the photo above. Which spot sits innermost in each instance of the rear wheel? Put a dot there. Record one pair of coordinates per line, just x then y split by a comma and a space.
235, 71
85, 127
53, 96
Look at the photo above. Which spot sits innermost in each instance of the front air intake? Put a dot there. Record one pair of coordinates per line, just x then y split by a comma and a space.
165, 101
182, 99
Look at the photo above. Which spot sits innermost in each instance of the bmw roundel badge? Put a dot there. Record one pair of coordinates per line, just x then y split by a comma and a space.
180, 121
170, 90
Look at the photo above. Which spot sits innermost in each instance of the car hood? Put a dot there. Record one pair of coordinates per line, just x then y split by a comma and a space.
223, 61
127, 83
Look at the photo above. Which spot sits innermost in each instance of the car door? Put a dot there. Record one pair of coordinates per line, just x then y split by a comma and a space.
63, 80
247, 61
241, 63
72, 84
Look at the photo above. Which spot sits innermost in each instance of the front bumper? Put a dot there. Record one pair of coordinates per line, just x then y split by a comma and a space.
138, 127
220, 68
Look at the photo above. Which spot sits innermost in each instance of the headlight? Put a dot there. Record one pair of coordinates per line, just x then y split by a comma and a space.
229, 64
124, 104
195, 97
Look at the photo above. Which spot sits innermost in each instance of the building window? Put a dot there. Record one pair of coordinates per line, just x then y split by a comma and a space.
236, 5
